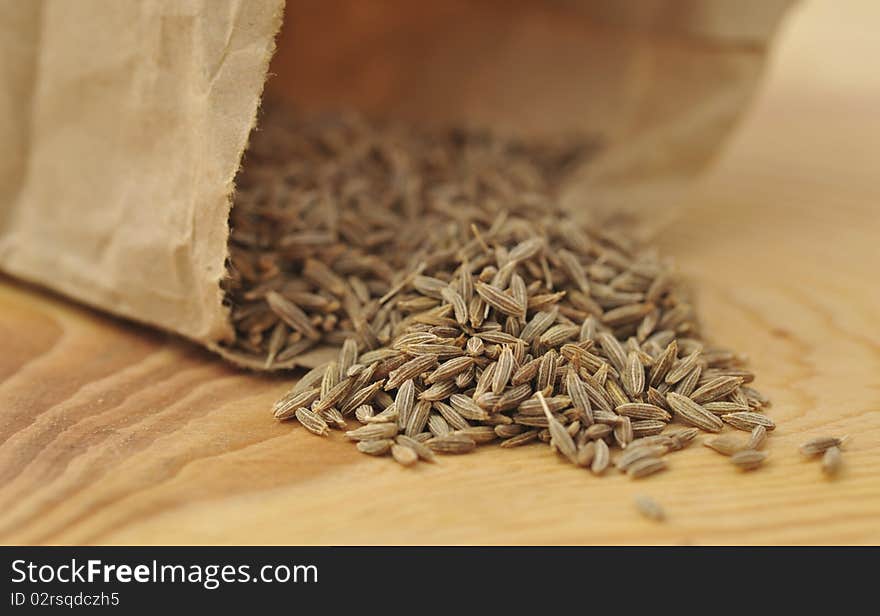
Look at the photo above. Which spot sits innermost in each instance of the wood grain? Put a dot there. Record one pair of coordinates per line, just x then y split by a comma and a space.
110, 433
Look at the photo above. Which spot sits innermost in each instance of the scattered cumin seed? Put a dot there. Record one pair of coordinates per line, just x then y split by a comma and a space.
649, 508
748, 459
820, 444
832, 461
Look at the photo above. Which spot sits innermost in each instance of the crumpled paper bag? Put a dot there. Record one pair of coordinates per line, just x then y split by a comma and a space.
124, 121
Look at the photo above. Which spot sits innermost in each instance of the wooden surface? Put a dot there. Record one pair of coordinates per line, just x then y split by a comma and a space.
110, 433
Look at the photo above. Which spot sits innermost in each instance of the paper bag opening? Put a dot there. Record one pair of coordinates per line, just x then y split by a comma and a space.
127, 121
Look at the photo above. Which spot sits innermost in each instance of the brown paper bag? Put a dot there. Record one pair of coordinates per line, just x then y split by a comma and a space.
124, 121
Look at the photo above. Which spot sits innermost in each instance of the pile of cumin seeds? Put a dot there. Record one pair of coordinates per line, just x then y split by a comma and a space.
512, 340
505, 321
467, 306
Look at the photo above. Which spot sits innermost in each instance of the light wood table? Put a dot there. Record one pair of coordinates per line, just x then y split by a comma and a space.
111, 433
